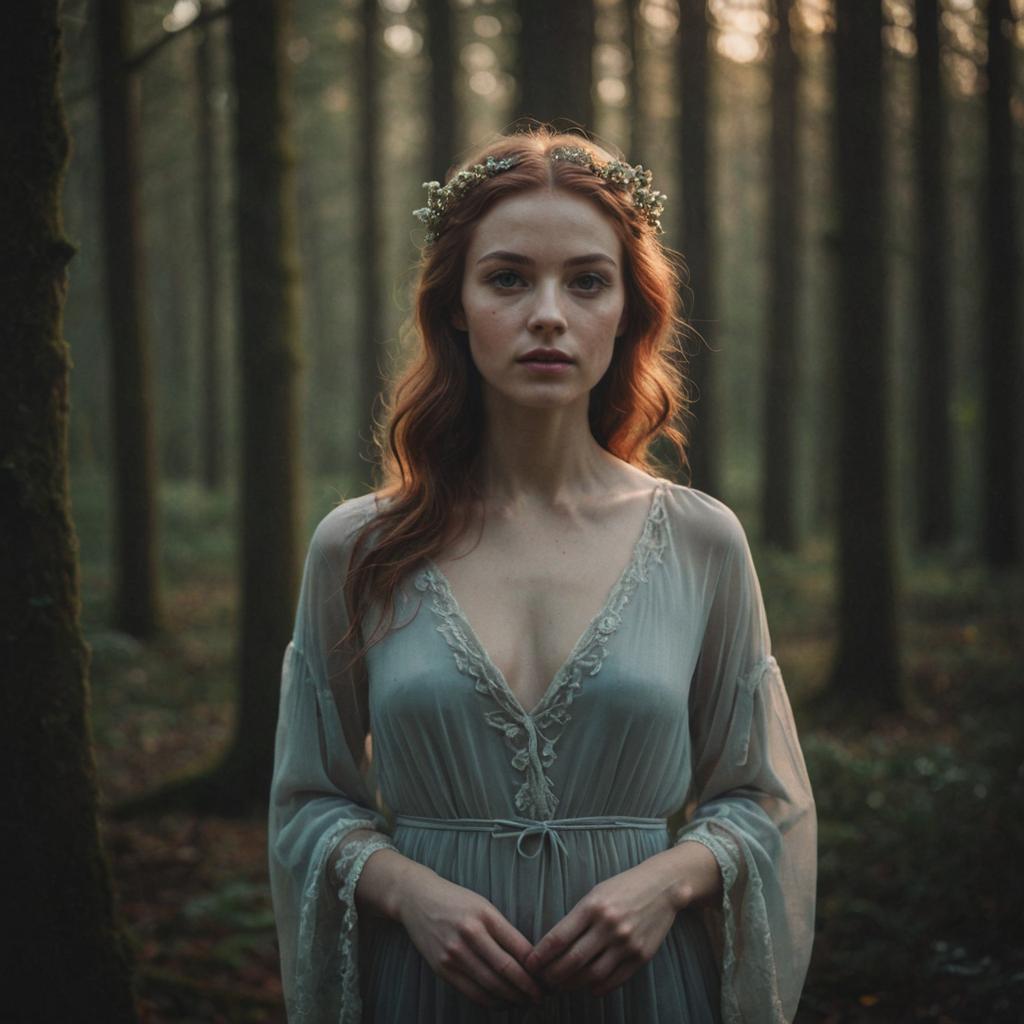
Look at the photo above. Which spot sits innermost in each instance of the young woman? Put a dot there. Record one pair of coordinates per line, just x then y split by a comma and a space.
546, 650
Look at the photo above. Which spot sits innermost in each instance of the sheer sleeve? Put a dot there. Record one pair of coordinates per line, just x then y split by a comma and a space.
323, 820
754, 807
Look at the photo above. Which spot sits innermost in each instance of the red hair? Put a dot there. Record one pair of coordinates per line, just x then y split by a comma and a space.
430, 439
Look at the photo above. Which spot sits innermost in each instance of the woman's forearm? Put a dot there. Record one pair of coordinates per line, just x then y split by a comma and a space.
385, 876
690, 873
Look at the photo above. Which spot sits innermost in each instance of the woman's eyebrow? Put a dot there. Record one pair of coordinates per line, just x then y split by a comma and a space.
514, 257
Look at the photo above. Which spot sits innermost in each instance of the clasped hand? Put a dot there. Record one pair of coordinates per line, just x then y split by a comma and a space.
605, 939
609, 935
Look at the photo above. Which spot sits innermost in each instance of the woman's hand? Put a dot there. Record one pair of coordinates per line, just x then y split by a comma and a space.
467, 941
621, 923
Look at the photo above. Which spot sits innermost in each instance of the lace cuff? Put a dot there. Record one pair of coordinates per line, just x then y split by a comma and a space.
346, 869
740, 929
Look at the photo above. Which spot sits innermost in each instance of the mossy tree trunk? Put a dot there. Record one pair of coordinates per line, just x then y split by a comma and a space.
136, 566
1002, 385
866, 673
555, 62
63, 956
697, 241
934, 484
779, 455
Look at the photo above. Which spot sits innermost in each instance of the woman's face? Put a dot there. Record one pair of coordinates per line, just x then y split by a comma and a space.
543, 271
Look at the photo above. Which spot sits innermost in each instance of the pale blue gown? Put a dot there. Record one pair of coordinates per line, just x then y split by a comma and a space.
670, 698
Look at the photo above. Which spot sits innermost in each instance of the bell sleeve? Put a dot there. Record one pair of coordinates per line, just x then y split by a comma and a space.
323, 821
754, 807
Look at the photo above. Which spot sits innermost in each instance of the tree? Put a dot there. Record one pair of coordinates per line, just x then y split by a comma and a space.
443, 115
1002, 366
137, 585
697, 231
367, 177
934, 483
555, 62
63, 951
211, 418
866, 673
779, 457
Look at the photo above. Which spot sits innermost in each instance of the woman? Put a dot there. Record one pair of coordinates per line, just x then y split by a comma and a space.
553, 651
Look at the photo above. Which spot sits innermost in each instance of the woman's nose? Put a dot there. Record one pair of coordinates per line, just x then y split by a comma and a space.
546, 313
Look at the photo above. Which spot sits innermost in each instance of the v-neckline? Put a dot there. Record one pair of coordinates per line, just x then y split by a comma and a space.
584, 637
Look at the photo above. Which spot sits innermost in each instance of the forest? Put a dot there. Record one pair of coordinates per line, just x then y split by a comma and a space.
209, 264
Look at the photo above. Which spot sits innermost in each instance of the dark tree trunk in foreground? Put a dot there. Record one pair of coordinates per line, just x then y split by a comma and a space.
63, 958
136, 566
866, 675
1002, 366
211, 412
636, 139
779, 457
697, 243
369, 257
555, 62
269, 354
934, 483
443, 117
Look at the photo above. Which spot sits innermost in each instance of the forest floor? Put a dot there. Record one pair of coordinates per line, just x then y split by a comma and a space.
920, 892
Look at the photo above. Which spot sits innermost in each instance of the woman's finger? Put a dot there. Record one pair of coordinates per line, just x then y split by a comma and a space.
507, 951
474, 964
619, 976
496, 969
569, 970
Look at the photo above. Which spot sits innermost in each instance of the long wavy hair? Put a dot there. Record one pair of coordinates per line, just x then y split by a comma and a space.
430, 438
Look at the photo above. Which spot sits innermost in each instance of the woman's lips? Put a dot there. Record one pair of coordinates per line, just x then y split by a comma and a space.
546, 365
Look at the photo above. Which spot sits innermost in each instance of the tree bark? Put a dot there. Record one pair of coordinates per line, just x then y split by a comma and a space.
779, 458
934, 483
866, 674
136, 565
270, 360
1003, 385
555, 62
444, 126
63, 951
211, 411
369, 235
698, 233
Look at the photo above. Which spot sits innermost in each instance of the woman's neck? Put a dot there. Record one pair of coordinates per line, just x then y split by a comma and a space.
544, 457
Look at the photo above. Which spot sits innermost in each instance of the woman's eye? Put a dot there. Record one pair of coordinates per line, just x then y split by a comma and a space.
504, 278
590, 282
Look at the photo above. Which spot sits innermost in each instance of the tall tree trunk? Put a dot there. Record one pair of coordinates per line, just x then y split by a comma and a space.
934, 484
1002, 374
136, 566
269, 352
697, 232
211, 411
866, 674
63, 956
636, 140
369, 235
444, 127
779, 458
555, 62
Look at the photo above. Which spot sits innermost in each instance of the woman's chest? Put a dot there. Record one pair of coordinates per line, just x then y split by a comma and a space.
529, 606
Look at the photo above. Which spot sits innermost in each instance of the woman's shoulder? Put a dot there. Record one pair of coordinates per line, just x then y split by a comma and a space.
703, 520
337, 530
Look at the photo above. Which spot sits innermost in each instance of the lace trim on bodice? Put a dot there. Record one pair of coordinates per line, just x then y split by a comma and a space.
532, 735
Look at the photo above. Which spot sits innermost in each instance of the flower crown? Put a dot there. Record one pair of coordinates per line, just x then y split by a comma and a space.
636, 180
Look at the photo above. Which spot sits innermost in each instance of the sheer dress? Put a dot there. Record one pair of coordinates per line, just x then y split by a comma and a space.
670, 698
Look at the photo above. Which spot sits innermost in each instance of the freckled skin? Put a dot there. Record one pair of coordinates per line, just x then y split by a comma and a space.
510, 306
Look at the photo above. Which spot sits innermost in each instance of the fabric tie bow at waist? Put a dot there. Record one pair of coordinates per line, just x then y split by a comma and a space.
521, 828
